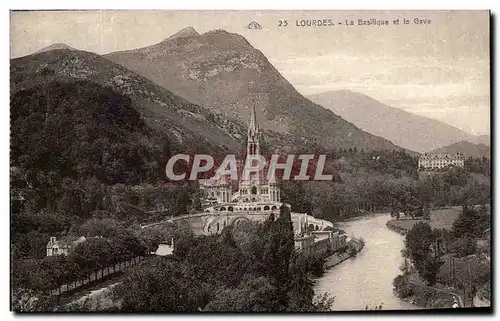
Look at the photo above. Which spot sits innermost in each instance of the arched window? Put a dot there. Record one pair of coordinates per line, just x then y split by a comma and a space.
317, 228
253, 199
274, 208
230, 208
217, 226
266, 208
254, 190
223, 208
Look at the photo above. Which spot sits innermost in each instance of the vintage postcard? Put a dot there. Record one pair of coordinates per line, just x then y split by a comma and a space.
250, 161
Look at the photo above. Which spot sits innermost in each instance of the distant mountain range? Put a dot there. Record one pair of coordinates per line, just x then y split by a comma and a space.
483, 139
405, 129
199, 89
224, 73
466, 148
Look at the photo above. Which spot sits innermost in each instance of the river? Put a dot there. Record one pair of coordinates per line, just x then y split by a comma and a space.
366, 280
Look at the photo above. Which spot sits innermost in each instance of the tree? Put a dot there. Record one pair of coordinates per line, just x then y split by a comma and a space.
278, 249
406, 257
158, 284
427, 213
254, 295
93, 254
402, 286
464, 246
106, 227
418, 243
30, 245
152, 238
467, 224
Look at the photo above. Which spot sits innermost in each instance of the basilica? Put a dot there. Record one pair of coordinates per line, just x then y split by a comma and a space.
254, 198
251, 194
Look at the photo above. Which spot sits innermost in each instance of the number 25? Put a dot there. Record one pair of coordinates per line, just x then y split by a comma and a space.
283, 23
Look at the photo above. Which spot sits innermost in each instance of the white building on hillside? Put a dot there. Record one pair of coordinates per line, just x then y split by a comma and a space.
64, 245
440, 161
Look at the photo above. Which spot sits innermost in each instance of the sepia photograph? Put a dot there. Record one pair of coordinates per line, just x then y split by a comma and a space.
250, 161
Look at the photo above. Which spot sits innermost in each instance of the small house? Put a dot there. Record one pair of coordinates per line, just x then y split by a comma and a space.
63, 245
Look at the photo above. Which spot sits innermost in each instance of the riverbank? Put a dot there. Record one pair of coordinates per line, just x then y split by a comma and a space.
441, 218
400, 226
354, 246
367, 279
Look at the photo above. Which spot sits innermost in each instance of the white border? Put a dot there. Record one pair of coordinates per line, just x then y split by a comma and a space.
192, 5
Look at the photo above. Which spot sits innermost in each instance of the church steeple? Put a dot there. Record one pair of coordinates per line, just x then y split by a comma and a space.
253, 135
253, 130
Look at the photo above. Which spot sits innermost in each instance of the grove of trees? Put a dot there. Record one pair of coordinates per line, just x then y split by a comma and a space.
248, 267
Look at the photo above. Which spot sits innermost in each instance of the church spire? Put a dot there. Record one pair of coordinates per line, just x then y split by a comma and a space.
253, 134
253, 148
253, 130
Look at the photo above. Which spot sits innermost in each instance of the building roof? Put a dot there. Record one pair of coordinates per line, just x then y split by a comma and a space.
66, 241
441, 156
212, 182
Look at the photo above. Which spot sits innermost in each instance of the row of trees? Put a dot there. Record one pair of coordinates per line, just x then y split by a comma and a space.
108, 243
49, 273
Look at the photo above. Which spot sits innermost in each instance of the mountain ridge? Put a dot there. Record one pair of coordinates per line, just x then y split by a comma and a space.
419, 133
186, 32
464, 147
184, 122
55, 46
223, 72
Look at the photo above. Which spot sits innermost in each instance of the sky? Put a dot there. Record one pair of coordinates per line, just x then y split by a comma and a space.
440, 69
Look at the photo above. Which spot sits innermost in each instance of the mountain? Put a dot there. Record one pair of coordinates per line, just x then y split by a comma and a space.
79, 129
466, 148
55, 46
184, 33
483, 139
187, 126
405, 129
223, 72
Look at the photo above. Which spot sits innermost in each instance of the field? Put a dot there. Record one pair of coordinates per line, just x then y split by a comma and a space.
441, 218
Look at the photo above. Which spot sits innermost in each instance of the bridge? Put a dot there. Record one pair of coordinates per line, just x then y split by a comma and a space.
213, 222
